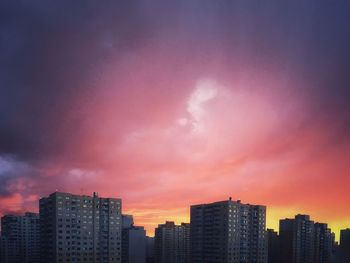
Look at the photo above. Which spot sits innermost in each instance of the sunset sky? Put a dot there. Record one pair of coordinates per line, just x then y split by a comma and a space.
171, 103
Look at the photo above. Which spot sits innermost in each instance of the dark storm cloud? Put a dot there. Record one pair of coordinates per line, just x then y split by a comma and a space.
50, 52
12, 170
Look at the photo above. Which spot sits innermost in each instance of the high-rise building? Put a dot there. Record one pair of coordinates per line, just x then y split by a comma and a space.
335, 249
133, 242
228, 231
303, 241
22, 237
150, 255
297, 239
172, 243
273, 246
3, 250
344, 246
128, 221
323, 243
80, 228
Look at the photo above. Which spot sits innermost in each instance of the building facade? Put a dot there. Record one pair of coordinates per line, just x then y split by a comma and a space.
344, 246
228, 231
3, 250
303, 241
133, 242
323, 243
150, 254
22, 238
273, 246
297, 239
172, 243
80, 228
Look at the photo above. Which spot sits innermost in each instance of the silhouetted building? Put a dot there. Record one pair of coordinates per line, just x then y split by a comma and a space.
22, 237
297, 239
335, 250
127, 220
134, 242
172, 243
228, 231
3, 250
80, 228
11, 231
344, 246
303, 241
322, 243
273, 246
150, 254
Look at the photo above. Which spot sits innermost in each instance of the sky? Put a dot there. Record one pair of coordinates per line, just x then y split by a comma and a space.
167, 104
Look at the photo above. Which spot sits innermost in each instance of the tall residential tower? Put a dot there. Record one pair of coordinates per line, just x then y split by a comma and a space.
303, 241
133, 241
80, 228
344, 248
21, 238
228, 232
172, 243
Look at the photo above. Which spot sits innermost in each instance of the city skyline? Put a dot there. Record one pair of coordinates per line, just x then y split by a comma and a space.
91, 228
151, 232
174, 103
